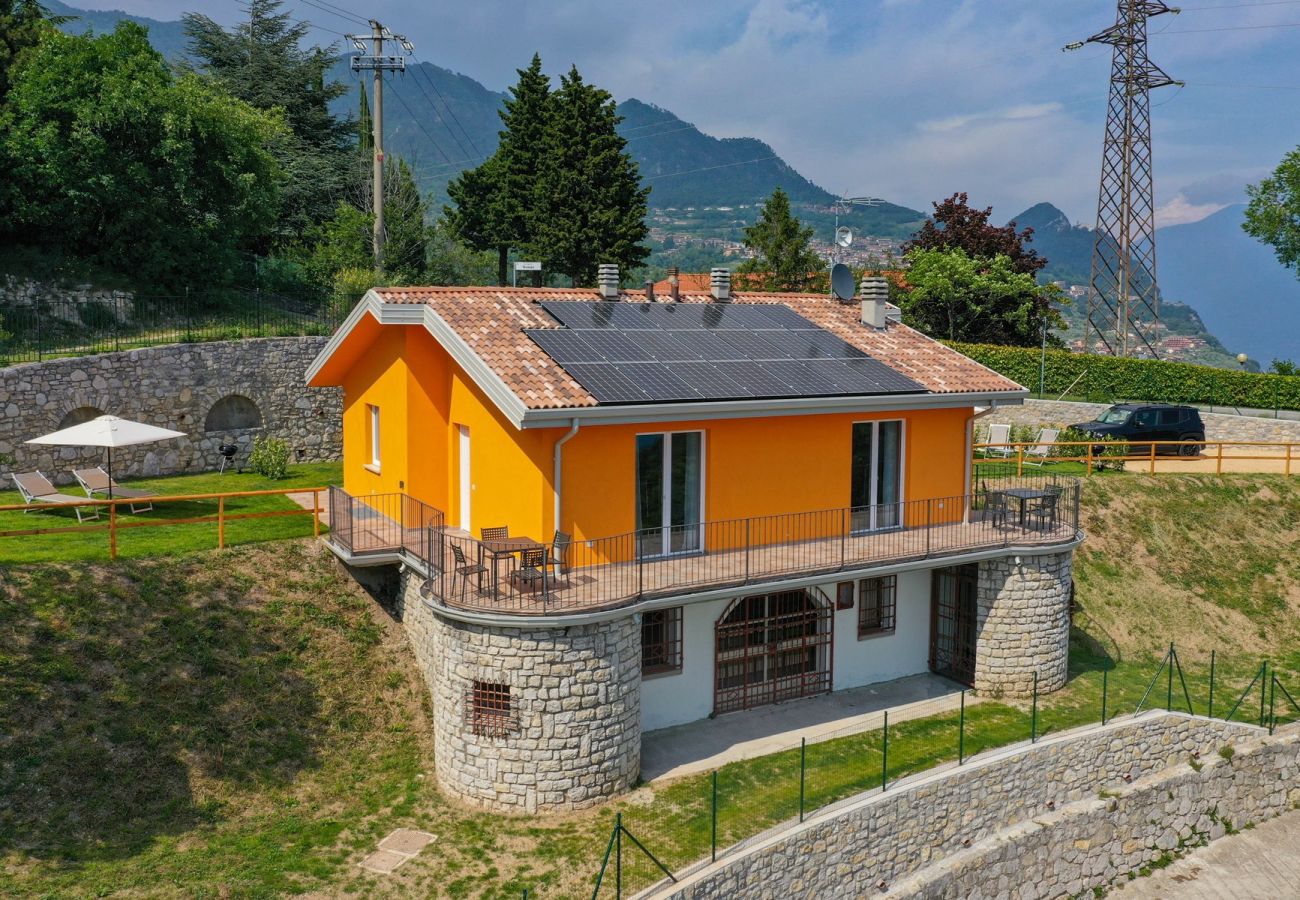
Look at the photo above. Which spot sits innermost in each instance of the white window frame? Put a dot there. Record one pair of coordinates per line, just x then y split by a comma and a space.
875, 484
372, 432
666, 495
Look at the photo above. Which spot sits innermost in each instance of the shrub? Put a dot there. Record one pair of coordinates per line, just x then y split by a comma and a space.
1105, 379
270, 457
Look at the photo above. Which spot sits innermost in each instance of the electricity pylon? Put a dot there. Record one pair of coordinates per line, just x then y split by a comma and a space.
1123, 296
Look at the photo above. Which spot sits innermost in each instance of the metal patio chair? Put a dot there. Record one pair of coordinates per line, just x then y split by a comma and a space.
995, 508
463, 569
559, 556
533, 566
1042, 515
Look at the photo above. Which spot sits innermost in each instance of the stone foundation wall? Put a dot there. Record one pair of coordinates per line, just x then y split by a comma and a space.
574, 736
1023, 624
173, 386
869, 846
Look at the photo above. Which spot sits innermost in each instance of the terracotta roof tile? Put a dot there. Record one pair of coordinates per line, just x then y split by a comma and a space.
492, 322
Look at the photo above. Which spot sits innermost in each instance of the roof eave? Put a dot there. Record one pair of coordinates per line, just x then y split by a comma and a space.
753, 409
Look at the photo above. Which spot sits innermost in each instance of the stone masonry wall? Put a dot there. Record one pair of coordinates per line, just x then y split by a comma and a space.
173, 386
1023, 624
1098, 841
1218, 426
870, 845
576, 703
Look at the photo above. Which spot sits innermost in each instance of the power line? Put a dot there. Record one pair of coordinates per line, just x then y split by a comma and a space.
743, 162
315, 4
434, 108
418, 123
445, 105
1233, 28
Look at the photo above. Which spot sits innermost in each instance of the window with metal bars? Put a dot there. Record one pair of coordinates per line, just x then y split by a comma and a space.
876, 602
490, 709
661, 641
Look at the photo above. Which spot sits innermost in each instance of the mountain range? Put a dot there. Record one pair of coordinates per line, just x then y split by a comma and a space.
444, 122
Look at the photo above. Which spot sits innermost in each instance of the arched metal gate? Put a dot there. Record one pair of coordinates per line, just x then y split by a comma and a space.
772, 647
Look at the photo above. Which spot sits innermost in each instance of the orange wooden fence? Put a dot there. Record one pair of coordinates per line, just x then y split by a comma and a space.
114, 524
1149, 452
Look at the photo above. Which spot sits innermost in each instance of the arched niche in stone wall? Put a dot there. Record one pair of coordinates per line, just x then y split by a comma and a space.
79, 415
233, 412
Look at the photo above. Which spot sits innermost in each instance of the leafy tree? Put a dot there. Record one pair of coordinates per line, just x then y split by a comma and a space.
959, 297
344, 240
784, 260
1273, 214
22, 22
495, 204
1284, 367
263, 62
592, 206
452, 262
956, 224
116, 160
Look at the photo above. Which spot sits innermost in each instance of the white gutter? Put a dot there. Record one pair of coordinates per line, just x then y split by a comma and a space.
558, 478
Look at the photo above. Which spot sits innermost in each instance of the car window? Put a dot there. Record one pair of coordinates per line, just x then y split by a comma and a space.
1170, 416
1144, 418
1114, 416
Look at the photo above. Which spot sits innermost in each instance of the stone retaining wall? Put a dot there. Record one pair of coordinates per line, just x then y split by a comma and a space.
573, 736
1218, 427
868, 846
174, 386
1099, 841
1023, 624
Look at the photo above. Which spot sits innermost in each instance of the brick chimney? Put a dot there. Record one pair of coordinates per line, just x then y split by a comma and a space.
874, 292
607, 281
720, 285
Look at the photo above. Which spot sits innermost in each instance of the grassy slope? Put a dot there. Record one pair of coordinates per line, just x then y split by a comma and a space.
249, 722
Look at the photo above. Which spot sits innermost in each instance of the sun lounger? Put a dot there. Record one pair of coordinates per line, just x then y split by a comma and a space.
1042, 446
97, 481
36, 488
999, 437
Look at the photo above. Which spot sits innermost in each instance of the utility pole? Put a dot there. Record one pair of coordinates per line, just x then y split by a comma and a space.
1123, 295
375, 61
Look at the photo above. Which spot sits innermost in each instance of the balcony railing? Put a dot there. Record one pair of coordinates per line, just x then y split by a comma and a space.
613, 571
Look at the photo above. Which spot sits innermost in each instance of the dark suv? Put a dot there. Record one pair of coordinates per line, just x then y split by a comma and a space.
1150, 422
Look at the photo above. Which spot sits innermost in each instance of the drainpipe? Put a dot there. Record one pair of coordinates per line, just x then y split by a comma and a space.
970, 440
558, 477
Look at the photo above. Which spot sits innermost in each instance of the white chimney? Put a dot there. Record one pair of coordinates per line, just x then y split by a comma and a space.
874, 292
607, 281
720, 285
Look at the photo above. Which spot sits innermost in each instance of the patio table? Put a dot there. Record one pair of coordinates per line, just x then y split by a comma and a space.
1022, 496
504, 549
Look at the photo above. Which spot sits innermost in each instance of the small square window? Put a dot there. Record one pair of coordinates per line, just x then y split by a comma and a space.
876, 602
661, 641
490, 709
844, 595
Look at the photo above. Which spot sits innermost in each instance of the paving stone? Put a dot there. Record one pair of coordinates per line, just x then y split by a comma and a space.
384, 861
406, 840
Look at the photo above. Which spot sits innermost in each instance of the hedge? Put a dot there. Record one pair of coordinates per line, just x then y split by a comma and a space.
1106, 379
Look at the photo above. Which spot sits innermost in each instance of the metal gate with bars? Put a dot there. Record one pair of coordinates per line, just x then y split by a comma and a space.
953, 614
772, 647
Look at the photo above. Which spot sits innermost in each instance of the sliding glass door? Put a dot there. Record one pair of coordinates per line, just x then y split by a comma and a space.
669, 492
876, 486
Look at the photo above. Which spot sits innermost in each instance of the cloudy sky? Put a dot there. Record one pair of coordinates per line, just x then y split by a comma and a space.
906, 99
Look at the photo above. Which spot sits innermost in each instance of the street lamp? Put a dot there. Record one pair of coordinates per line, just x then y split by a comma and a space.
1242, 359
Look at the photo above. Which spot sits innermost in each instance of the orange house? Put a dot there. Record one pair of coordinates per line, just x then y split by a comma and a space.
769, 494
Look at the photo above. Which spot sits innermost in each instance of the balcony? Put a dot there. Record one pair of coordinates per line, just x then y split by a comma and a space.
609, 572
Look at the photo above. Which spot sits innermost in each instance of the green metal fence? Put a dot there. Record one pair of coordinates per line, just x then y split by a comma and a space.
700, 819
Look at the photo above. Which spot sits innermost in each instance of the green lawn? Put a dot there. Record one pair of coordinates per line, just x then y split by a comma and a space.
90, 543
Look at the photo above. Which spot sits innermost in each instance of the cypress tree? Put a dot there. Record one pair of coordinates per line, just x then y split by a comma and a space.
591, 205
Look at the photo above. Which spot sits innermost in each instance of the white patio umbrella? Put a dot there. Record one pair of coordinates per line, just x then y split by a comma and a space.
110, 432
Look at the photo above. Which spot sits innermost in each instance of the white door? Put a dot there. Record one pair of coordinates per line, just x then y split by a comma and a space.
466, 485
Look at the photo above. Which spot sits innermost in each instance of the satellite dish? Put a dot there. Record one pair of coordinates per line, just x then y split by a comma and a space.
844, 235
842, 282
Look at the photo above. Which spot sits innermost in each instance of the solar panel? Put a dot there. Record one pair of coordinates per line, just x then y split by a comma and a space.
659, 353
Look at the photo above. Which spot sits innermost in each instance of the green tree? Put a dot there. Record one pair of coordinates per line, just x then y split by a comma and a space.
114, 159
22, 22
958, 225
404, 218
263, 61
495, 205
592, 206
959, 297
783, 259
1273, 215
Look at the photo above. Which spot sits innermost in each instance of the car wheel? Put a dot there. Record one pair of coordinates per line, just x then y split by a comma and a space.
1190, 449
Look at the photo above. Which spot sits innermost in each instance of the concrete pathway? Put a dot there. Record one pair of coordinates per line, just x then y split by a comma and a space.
703, 746
1262, 863
304, 499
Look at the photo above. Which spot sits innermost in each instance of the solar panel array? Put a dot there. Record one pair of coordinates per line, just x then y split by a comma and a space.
660, 353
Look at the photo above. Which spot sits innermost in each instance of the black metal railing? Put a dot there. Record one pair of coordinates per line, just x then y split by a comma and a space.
63, 325
612, 571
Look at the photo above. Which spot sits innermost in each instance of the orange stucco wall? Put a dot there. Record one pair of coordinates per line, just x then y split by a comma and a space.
753, 467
